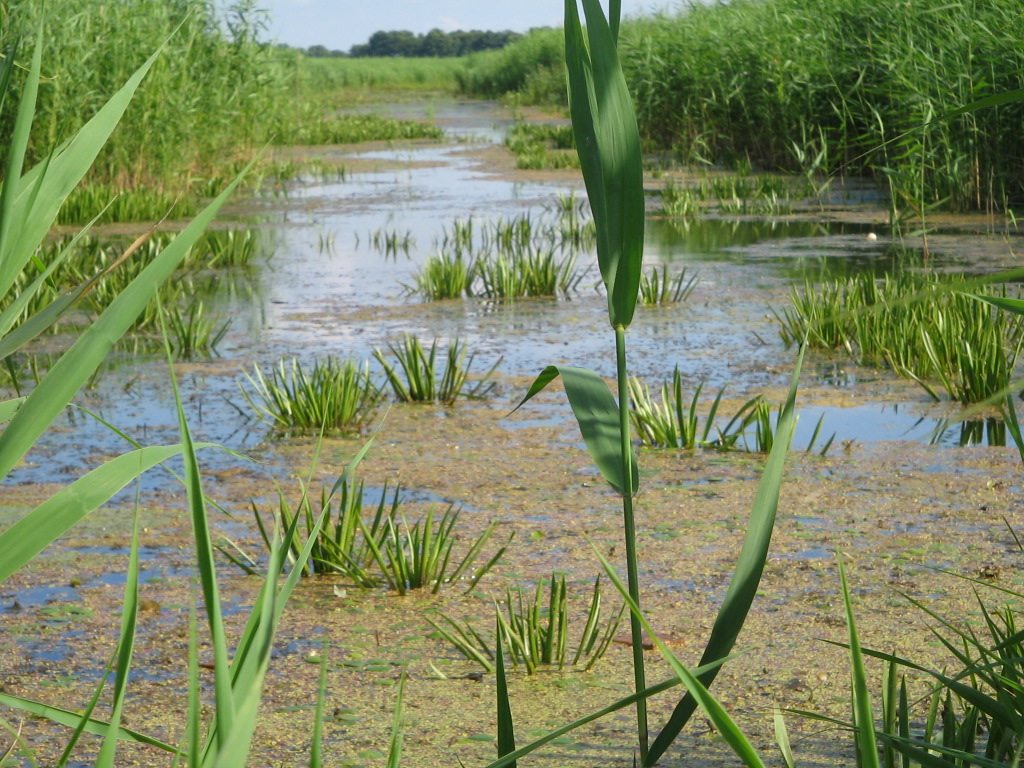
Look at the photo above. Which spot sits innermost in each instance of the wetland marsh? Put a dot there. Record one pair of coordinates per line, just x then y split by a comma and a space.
896, 491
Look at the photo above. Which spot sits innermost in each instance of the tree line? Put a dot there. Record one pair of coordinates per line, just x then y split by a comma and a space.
434, 43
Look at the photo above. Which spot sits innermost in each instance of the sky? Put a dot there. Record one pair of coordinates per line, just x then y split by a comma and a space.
340, 24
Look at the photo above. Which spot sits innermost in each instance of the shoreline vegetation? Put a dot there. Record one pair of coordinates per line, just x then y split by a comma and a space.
807, 87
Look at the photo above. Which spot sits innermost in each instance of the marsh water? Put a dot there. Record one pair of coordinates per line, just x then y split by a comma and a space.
323, 288
898, 470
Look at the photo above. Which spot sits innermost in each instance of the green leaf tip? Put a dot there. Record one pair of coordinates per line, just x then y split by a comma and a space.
608, 142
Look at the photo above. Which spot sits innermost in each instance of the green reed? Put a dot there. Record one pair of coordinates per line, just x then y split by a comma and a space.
608, 143
855, 86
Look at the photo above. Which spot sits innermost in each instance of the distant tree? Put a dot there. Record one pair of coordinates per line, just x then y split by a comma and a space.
435, 43
317, 51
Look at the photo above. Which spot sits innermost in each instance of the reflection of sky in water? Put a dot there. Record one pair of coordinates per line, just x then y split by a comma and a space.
327, 290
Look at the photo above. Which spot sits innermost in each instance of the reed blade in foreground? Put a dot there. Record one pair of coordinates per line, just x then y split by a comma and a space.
747, 576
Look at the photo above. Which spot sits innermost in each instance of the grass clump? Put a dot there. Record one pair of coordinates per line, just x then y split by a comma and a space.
337, 395
509, 258
415, 374
375, 549
340, 542
522, 273
420, 556
536, 634
674, 421
661, 289
191, 332
921, 324
445, 276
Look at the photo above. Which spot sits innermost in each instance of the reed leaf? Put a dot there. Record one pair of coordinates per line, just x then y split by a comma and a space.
30, 535
597, 414
863, 718
76, 365
506, 725
743, 587
73, 719
608, 142
125, 646
696, 690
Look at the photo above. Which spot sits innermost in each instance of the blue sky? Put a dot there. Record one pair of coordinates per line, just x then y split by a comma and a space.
340, 24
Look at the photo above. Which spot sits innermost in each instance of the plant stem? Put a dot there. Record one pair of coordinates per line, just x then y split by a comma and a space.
629, 531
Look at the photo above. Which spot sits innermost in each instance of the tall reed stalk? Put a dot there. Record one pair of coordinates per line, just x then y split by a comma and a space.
608, 142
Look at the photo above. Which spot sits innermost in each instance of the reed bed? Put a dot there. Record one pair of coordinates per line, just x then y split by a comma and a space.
216, 97
344, 77
856, 86
659, 289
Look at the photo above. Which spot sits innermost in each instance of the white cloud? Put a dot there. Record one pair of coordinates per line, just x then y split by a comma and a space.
450, 24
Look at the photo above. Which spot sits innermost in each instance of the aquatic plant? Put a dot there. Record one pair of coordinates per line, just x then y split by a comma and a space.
660, 289
542, 146
335, 531
922, 325
191, 332
535, 634
751, 86
390, 242
762, 440
29, 205
522, 273
415, 375
674, 422
420, 556
445, 276
334, 394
